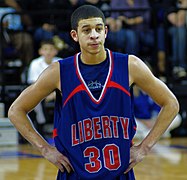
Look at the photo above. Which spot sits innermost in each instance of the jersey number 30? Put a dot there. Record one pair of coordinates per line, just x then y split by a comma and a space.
111, 158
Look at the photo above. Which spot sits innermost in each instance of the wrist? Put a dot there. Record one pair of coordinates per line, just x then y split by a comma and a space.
146, 147
43, 149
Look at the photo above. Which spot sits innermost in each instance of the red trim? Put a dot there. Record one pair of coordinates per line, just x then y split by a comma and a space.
76, 66
84, 86
116, 85
110, 75
55, 134
76, 90
75, 56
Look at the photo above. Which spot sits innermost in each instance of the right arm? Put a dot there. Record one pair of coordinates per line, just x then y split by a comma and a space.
177, 19
48, 81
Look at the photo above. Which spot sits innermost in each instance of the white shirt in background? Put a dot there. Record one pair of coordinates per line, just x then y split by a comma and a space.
36, 67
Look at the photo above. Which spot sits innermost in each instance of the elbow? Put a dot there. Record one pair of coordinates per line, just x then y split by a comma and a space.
175, 106
12, 113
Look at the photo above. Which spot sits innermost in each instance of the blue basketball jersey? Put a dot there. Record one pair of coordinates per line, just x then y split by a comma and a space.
95, 133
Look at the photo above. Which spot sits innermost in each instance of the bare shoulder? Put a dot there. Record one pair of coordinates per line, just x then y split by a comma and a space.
141, 75
138, 70
53, 68
50, 76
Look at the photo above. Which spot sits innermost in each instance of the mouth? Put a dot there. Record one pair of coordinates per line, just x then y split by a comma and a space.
94, 45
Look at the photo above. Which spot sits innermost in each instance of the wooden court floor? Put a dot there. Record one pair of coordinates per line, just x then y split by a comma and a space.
167, 161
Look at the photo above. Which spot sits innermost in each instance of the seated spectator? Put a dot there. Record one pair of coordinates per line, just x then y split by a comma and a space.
119, 38
17, 41
47, 52
54, 23
178, 36
159, 7
142, 34
136, 21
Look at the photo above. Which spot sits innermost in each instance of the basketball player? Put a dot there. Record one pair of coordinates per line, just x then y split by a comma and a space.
93, 122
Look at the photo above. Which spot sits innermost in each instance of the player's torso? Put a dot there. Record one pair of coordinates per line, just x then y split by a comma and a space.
95, 133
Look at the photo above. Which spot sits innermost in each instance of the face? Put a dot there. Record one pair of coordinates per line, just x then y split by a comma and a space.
48, 51
90, 34
73, 2
182, 3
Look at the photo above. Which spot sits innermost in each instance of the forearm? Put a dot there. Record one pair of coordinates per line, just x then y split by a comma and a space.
163, 121
25, 127
177, 19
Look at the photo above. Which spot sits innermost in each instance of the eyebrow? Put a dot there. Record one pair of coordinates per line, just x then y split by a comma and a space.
85, 26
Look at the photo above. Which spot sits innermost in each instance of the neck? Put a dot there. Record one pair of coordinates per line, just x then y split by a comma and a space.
48, 61
93, 58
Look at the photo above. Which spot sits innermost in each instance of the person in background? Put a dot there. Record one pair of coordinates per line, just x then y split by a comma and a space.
136, 21
146, 38
48, 54
54, 23
16, 36
146, 111
94, 122
120, 38
178, 36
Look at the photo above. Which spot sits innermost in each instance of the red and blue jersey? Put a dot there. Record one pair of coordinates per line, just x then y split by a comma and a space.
95, 132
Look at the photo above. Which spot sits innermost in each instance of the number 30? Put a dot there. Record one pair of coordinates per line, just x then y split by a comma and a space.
111, 157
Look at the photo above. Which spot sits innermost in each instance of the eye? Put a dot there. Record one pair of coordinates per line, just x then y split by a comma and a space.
99, 29
86, 31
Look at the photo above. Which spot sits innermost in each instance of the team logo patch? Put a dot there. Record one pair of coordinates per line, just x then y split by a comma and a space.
95, 85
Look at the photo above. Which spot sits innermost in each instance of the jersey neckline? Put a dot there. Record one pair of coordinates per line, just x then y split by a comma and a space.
97, 101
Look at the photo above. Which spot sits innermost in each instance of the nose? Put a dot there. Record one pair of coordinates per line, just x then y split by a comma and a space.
94, 34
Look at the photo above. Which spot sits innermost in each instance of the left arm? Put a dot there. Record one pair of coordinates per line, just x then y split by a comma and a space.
140, 74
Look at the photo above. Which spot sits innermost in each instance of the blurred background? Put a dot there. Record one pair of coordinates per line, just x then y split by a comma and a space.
154, 30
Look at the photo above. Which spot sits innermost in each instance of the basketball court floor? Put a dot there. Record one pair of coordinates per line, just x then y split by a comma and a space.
167, 161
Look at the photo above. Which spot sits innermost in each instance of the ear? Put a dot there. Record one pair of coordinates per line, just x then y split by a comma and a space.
40, 51
106, 31
73, 34
56, 51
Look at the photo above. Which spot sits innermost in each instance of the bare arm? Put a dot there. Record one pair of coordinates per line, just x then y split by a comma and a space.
177, 19
28, 99
159, 92
131, 21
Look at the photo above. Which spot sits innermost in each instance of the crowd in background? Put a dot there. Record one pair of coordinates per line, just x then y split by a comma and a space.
155, 30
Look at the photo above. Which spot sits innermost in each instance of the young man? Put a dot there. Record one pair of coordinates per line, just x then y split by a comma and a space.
94, 124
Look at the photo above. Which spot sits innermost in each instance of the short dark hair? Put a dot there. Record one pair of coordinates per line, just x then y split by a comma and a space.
85, 12
47, 41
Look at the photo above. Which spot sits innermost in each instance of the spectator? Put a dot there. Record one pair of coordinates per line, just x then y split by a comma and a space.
16, 38
178, 33
145, 111
119, 38
54, 22
136, 21
47, 52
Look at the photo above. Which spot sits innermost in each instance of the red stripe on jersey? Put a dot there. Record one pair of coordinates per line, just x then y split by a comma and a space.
116, 85
76, 90
55, 134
